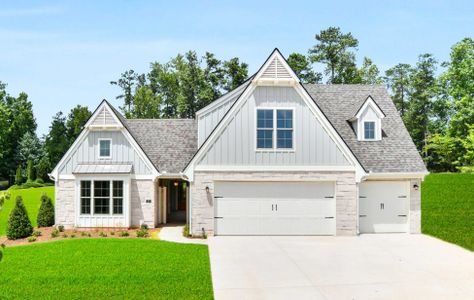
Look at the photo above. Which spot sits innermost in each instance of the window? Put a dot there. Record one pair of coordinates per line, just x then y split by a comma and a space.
104, 148
284, 129
265, 128
117, 194
101, 197
85, 197
369, 130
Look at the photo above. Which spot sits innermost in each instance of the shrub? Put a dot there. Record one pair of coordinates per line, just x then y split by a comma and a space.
65, 235
112, 233
39, 181
83, 233
55, 233
124, 233
144, 226
73, 236
46, 212
186, 230
36, 233
18, 178
61, 228
142, 233
2, 201
7, 195
102, 234
31, 239
19, 225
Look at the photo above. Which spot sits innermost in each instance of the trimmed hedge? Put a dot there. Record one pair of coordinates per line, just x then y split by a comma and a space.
19, 225
46, 212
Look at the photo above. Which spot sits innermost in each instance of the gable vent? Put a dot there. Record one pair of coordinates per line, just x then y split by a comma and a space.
276, 70
104, 118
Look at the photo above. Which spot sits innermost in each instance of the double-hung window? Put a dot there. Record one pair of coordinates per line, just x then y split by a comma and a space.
101, 197
117, 194
85, 197
104, 148
369, 130
284, 129
274, 124
265, 128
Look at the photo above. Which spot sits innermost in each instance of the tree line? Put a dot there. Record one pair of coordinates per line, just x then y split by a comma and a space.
434, 99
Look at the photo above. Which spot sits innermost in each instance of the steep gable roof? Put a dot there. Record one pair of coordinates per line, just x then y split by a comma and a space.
169, 143
396, 151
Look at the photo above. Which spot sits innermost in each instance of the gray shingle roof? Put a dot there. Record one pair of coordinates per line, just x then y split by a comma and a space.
169, 143
396, 151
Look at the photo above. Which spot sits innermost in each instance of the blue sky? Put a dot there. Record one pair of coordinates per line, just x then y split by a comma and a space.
64, 53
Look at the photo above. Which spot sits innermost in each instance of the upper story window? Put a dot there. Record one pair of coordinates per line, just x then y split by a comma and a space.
273, 123
104, 148
369, 130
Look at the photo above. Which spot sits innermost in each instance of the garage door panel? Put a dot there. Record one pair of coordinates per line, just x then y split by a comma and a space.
383, 206
275, 208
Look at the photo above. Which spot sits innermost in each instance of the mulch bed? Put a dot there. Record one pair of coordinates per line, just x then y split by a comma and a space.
77, 233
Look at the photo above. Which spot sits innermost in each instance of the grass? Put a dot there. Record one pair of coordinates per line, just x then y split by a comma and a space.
447, 208
106, 269
31, 199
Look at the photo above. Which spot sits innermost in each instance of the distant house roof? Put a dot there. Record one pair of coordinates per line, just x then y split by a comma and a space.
396, 152
169, 143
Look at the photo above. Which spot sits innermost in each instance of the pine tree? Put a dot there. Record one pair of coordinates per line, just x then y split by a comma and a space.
18, 178
46, 212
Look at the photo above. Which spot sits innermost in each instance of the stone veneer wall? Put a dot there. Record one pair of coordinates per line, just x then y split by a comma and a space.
64, 203
415, 206
141, 211
202, 202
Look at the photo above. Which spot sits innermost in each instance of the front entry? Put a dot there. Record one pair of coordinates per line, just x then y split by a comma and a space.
174, 196
383, 206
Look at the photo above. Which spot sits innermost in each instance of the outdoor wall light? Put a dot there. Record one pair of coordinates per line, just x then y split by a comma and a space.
176, 183
416, 187
207, 189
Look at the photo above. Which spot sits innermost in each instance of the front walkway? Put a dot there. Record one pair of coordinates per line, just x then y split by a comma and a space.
391, 266
174, 233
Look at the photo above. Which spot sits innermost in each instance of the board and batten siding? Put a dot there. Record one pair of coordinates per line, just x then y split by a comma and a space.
121, 152
237, 143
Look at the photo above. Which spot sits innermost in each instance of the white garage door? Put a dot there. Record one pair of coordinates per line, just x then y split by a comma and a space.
275, 208
383, 206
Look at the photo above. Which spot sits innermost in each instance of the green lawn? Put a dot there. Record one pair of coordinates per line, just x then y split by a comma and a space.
106, 268
31, 199
447, 208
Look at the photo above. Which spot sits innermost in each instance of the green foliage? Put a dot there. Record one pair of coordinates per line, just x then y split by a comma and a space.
75, 122
144, 226
46, 212
18, 177
186, 230
142, 233
99, 265
31, 239
369, 73
397, 80
179, 87
30, 171
36, 233
61, 228
124, 233
56, 142
447, 208
2, 248
55, 233
332, 49
102, 234
442, 153
19, 225
30, 200
301, 65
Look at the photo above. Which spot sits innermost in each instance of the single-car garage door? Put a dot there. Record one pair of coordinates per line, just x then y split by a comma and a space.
274, 208
383, 206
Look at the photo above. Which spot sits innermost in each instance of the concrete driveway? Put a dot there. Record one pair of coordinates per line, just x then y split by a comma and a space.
389, 266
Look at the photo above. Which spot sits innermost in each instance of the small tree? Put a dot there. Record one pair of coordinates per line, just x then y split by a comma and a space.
30, 171
46, 212
18, 178
19, 225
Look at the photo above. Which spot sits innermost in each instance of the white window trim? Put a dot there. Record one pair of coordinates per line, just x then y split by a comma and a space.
126, 204
375, 130
111, 197
110, 148
274, 130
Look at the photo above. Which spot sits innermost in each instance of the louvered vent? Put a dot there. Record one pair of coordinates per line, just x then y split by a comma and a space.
276, 70
104, 118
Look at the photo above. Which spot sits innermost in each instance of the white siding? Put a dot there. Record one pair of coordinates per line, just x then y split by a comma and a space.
207, 122
121, 152
236, 145
104, 118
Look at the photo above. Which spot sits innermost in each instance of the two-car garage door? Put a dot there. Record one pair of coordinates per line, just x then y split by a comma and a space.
274, 208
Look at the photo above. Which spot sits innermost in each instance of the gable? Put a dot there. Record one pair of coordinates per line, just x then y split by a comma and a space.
236, 145
87, 152
104, 118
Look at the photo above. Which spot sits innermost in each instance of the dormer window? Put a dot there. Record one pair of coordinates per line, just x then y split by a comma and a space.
367, 120
369, 130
